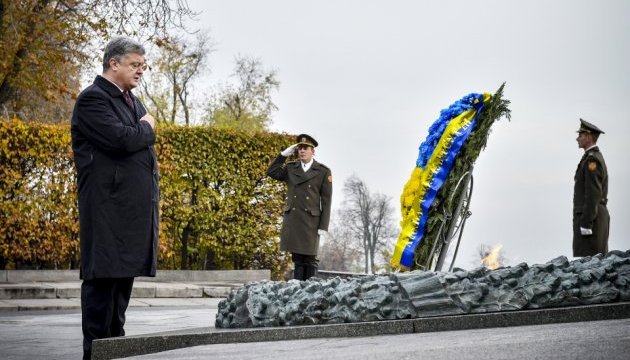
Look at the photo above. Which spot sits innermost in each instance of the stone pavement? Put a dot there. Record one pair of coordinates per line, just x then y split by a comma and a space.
609, 339
128, 346
56, 334
22, 290
159, 327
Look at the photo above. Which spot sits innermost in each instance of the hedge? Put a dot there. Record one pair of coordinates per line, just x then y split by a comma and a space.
218, 209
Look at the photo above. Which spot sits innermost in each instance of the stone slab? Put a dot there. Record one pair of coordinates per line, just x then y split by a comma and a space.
217, 291
27, 291
65, 289
137, 345
143, 289
194, 276
8, 306
26, 276
75, 303
169, 301
327, 274
152, 343
523, 318
45, 304
211, 303
177, 290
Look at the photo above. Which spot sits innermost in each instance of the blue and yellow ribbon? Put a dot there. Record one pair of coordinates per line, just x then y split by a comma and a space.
437, 154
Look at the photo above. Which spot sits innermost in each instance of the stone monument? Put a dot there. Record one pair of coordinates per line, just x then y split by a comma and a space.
559, 282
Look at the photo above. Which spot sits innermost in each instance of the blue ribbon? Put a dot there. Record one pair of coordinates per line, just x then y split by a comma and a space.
438, 180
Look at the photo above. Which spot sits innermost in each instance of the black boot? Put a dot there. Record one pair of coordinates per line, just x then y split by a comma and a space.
310, 271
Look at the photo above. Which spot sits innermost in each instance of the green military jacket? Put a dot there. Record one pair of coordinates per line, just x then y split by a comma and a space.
590, 195
307, 204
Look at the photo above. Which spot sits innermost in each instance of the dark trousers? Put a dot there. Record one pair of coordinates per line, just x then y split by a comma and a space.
305, 266
103, 306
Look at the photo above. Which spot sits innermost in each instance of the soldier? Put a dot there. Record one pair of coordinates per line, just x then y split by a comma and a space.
591, 220
307, 208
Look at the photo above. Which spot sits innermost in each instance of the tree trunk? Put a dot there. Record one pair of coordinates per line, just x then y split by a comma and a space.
185, 235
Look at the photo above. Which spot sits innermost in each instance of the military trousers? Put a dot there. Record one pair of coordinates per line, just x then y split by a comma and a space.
305, 266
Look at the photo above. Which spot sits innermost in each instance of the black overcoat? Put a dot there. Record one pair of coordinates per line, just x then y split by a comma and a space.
590, 195
307, 204
117, 178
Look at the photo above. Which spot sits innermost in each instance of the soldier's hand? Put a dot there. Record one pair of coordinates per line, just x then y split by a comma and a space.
288, 151
321, 232
584, 231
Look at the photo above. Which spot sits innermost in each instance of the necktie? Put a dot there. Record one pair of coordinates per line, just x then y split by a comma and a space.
128, 99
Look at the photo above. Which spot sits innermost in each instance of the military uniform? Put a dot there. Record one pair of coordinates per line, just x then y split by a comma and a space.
590, 195
307, 209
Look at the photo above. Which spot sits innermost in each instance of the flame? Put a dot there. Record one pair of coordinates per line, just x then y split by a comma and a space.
491, 261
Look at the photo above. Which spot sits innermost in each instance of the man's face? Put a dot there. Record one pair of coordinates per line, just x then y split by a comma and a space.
305, 153
584, 140
128, 71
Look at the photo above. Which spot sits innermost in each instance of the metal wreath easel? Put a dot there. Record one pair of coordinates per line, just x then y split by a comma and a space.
454, 224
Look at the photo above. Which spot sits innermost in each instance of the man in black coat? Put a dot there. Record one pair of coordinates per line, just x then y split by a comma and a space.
591, 220
112, 140
308, 202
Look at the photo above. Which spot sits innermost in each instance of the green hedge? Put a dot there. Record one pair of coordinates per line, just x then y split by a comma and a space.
218, 210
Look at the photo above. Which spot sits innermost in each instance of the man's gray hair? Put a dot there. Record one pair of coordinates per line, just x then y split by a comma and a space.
118, 48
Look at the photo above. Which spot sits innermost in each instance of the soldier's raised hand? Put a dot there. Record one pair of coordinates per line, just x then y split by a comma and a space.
288, 151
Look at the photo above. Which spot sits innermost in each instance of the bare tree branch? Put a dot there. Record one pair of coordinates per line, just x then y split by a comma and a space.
368, 220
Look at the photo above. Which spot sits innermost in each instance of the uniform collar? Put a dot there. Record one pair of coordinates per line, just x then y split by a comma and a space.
307, 165
591, 148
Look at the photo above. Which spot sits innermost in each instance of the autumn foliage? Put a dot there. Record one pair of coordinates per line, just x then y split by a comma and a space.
218, 210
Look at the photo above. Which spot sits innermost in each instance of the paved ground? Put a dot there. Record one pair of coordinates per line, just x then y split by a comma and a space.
608, 339
48, 326
57, 334
65, 295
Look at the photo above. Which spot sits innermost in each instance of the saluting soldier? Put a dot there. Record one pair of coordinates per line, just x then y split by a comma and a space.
591, 220
307, 208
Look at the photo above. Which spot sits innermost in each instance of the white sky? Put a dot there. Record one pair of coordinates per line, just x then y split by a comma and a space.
368, 78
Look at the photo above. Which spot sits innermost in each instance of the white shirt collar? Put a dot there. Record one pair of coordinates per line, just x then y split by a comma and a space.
590, 147
306, 166
119, 88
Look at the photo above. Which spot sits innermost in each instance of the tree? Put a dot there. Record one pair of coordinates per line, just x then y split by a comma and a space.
249, 106
46, 44
368, 218
338, 251
168, 90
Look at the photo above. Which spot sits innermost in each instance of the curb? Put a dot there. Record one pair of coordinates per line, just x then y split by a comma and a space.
194, 276
152, 343
75, 303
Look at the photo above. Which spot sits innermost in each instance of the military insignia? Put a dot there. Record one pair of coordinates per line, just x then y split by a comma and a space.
303, 139
329, 178
592, 166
